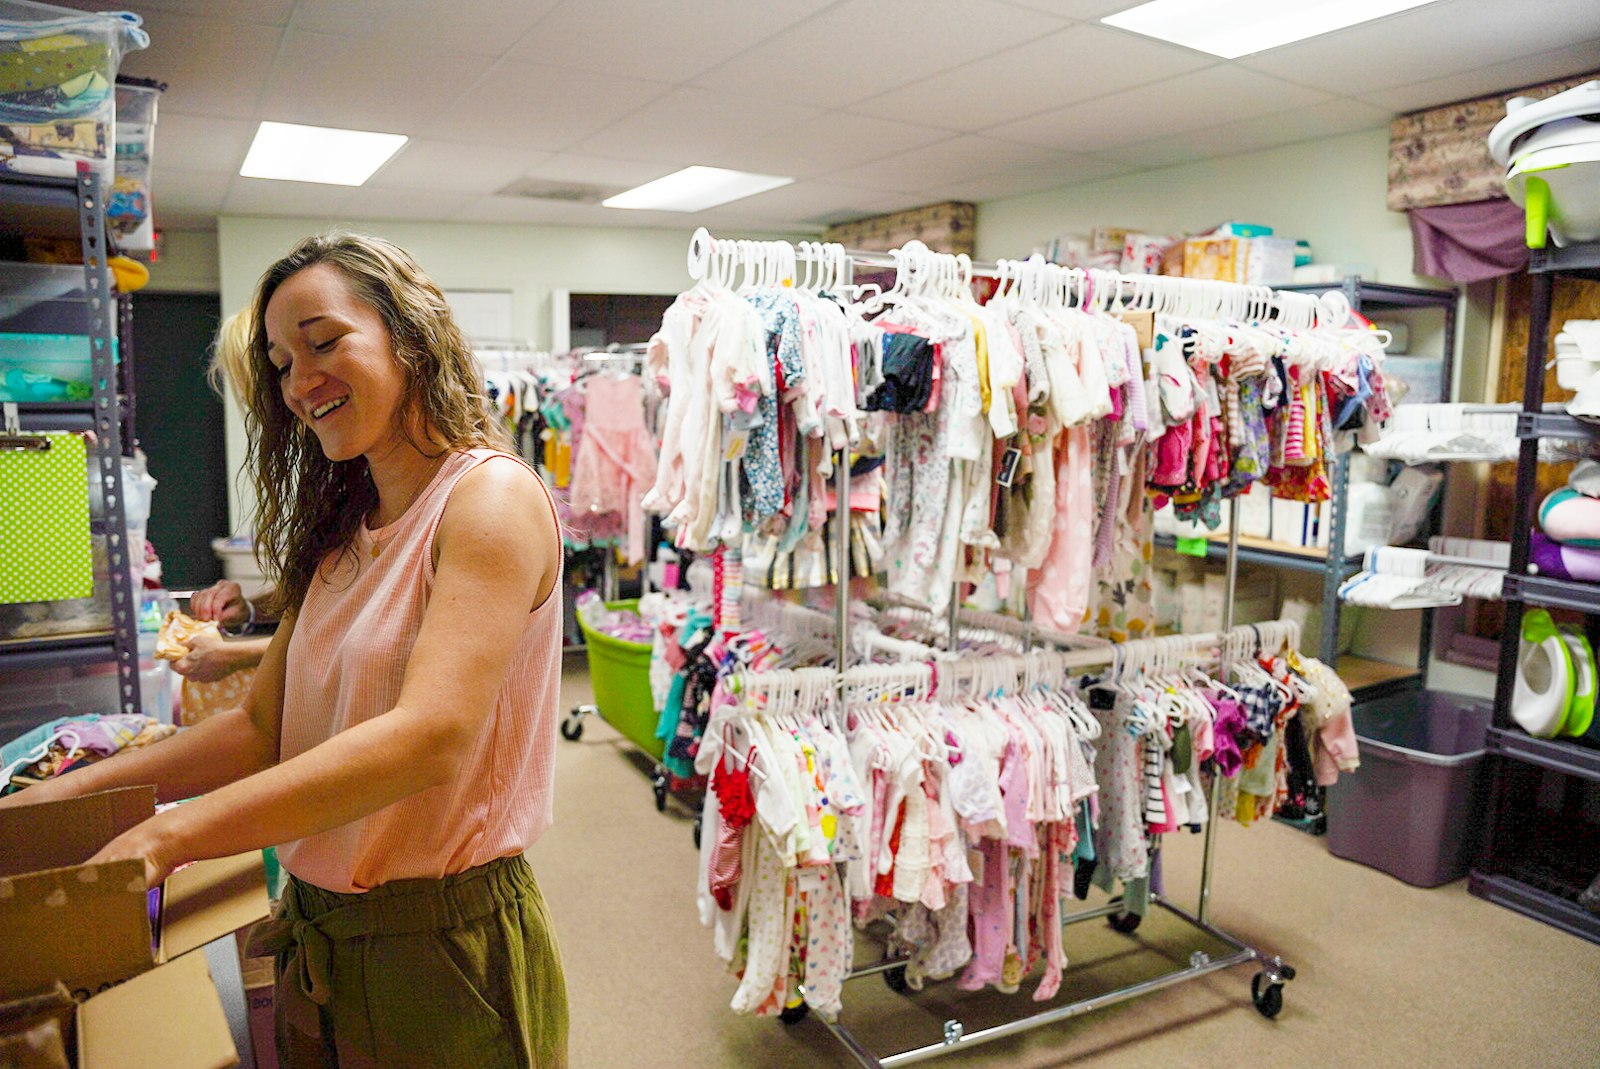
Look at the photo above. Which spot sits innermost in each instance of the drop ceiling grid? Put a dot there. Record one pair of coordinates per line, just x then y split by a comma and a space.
865, 104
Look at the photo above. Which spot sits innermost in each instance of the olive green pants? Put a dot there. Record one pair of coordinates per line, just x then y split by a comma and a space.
462, 971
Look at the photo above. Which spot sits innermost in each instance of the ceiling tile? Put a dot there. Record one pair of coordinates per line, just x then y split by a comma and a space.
854, 51
481, 28
1204, 98
1015, 181
1436, 40
814, 203
1029, 79
423, 164
547, 213
956, 160
597, 170
212, 66
1579, 59
202, 143
688, 126
364, 84
528, 107
264, 196
368, 203
829, 143
1078, 9
666, 42
1329, 119
175, 190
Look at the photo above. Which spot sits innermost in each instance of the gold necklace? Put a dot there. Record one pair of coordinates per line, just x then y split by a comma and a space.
416, 491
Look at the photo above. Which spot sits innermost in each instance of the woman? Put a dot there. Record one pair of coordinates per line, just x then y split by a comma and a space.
398, 739
211, 659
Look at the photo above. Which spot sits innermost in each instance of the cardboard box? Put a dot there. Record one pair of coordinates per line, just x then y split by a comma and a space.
1214, 259
93, 927
165, 1018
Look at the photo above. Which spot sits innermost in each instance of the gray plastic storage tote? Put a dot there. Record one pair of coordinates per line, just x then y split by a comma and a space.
1414, 806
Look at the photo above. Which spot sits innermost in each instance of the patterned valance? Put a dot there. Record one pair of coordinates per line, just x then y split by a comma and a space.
1441, 156
948, 227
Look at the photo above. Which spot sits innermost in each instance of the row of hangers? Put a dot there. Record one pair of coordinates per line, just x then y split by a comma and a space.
742, 265
924, 279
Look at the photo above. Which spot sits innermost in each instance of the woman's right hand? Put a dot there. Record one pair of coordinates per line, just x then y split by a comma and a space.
223, 602
209, 659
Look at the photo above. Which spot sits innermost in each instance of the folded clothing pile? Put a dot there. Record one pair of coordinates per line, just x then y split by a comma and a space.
71, 742
1567, 544
619, 623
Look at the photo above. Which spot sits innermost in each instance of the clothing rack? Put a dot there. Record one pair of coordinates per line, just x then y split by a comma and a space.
778, 262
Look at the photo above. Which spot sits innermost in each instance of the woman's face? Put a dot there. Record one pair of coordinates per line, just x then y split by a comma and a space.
335, 362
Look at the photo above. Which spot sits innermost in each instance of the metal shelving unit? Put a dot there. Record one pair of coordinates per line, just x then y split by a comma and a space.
1262, 551
1534, 901
1368, 297
59, 207
1538, 881
1554, 593
1558, 755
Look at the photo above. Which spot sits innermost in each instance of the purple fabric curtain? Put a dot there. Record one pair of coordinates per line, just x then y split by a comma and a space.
1469, 242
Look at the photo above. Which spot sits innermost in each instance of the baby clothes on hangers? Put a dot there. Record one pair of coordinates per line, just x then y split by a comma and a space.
617, 459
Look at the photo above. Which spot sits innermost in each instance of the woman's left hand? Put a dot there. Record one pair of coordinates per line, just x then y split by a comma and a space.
145, 843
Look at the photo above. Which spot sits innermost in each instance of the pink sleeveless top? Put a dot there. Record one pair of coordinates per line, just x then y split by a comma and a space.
347, 660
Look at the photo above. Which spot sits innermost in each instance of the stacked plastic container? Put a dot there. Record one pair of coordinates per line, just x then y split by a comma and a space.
58, 104
128, 209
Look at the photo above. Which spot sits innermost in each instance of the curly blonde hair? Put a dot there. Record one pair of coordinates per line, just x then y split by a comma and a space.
307, 506
229, 369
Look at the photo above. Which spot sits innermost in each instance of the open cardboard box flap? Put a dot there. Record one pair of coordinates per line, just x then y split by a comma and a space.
167, 1018
90, 926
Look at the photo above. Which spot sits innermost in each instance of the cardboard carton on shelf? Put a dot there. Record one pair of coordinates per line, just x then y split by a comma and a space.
121, 952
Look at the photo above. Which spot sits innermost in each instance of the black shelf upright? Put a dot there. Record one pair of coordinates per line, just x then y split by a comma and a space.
1531, 862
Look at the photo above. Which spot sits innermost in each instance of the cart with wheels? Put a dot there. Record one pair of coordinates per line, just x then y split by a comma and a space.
619, 674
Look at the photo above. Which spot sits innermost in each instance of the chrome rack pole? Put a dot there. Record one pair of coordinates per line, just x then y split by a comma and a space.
841, 595
841, 518
951, 641
1214, 796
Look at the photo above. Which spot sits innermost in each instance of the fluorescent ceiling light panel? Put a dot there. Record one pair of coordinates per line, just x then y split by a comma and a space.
1233, 28
318, 154
694, 189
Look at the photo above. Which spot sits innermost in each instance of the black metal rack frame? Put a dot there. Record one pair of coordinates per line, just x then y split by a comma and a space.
1503, 874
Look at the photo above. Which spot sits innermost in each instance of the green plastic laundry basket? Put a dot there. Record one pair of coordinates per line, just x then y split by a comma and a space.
619, 672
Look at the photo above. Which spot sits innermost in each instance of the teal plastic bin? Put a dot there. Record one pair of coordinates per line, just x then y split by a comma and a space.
619, 672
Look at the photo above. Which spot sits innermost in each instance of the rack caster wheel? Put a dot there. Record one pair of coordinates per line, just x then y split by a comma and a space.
895, 978
1267, 994
658, 784
698, 824
794, 1014
1125, 922
572, 726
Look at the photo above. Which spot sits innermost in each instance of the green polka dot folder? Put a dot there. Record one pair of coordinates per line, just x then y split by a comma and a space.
45, 550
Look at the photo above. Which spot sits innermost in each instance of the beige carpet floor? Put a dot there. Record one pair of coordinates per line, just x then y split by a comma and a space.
1389, 975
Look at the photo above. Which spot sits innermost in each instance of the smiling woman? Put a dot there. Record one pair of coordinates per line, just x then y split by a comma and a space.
397, 743
358, 327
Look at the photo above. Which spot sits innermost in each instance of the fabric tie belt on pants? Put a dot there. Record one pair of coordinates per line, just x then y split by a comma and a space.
305, 931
